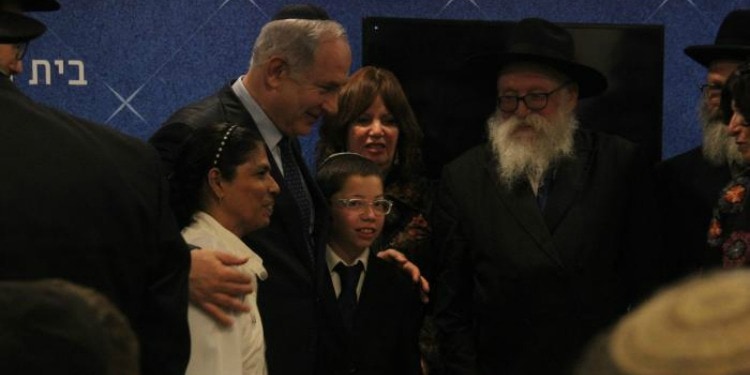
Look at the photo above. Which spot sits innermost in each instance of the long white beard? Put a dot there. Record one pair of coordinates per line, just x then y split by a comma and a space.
519, 157
718, 147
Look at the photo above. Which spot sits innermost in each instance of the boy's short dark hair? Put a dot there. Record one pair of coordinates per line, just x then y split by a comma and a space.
337, 168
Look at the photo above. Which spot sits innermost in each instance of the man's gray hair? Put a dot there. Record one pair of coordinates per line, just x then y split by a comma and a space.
294, 40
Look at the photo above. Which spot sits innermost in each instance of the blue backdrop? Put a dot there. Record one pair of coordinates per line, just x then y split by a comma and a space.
131, 63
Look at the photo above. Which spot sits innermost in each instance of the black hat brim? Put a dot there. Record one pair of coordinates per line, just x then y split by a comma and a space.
17, 28
706, 54
590, 81
40, 6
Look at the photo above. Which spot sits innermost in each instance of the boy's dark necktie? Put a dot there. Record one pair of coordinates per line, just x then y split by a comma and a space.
347, 300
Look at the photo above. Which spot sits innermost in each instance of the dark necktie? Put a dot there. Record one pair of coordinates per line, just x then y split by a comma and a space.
543, 191
347, 301
295, 184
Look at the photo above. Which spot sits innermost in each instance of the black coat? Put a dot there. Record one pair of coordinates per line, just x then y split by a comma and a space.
520, 291
85, 203
385, 331
288, 302
688, 188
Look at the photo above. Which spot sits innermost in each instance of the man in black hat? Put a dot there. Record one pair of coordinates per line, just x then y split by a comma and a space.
539, 232
85, 203
689, 184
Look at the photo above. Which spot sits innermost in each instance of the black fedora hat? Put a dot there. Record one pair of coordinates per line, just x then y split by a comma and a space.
732, 41
29, 5
540, 41
17, 28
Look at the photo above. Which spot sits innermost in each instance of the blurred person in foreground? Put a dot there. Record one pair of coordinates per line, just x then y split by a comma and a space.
88, 204
52, 326
697, 326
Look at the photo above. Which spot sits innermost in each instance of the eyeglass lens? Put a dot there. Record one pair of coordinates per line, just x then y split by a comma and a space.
533, 101
21, 49
711, 89
380, 206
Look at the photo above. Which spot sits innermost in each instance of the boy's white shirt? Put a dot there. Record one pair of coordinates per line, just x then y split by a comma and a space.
332, 260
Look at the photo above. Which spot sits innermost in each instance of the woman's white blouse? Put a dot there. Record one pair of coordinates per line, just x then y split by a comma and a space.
215, 349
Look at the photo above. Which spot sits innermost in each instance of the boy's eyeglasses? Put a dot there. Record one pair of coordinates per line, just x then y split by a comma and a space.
379, 206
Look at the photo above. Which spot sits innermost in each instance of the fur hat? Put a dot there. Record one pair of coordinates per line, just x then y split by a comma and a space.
732, 41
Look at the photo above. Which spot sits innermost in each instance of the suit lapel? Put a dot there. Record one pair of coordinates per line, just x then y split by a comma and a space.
522, 205
234, 111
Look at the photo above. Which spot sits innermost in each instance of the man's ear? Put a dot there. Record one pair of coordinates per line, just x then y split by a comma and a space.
573, 96
277, 70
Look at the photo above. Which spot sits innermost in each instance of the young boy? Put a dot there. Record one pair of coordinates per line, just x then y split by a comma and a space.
371, 311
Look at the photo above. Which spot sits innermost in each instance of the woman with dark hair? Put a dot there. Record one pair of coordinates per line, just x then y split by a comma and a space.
729, 230
375, 120
222, 189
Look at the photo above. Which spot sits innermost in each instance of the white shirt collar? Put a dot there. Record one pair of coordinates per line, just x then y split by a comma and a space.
270, 133
332, 259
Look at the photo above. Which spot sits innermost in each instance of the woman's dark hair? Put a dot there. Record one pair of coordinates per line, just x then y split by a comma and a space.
337, 168
737, 88
224, 146
363, 87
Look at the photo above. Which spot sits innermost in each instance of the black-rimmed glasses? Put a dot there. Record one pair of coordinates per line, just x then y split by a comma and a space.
379, 206
534, 101
711, 90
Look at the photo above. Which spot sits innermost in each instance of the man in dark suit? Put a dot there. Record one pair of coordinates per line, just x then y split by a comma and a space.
689, 184
539, 232
288, 87
85, 203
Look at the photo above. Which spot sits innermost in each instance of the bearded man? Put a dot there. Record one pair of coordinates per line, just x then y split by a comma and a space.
539, 232
689, 184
